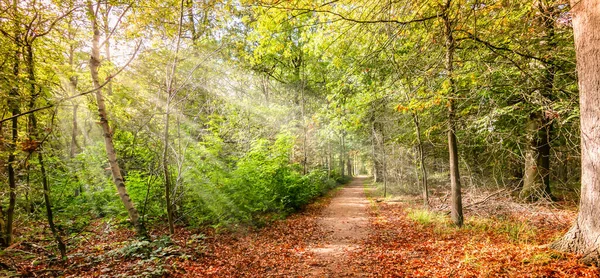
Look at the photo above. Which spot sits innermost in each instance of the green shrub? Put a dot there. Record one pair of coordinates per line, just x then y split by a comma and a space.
263, 182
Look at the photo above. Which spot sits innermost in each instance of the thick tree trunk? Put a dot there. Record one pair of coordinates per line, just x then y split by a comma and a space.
536, 180
455, 187
108, 134
584, 237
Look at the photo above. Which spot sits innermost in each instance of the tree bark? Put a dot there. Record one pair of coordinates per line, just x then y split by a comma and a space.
374, 157
13, 103
421, 155
74, 145
536, 184
536, 180
73, 80
455, 187
377, 163
383, 160
108, 134
190, 13
584, 236
166, 173
342, 152
170, 95
329, 158
349, 166
105, 18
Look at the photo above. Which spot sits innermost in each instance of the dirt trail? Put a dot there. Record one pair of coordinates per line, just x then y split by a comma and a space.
346, 222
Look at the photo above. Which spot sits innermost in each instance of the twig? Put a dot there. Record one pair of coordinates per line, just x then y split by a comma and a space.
485, 199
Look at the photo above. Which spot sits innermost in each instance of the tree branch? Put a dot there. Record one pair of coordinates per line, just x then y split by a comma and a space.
108, 79
343, 17
493, 47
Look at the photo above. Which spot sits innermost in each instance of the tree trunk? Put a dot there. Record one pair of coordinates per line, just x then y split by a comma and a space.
304, 123
190, 9
342, 151
329, 158
584, 236
349, 166
377, 163
455, 187
536, 184
170, 94
33, 136
421, 160
108, 134
12, 182
536, 180
374, 157
13, 104
165, 162
383, 161
75, 147
107, 57
45, 185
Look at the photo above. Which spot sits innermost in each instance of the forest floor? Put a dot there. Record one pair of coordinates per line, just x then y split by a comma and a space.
349, 233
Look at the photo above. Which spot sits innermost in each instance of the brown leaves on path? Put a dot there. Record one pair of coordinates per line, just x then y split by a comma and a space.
278, 250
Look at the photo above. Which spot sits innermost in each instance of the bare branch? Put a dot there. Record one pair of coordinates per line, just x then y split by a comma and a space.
116, 25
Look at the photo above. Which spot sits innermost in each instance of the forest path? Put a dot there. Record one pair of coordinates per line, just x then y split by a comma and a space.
345, 221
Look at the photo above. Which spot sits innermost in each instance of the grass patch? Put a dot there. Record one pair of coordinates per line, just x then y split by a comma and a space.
426, 217
518, 232
515, 231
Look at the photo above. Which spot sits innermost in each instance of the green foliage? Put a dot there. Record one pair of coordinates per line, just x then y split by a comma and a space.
144, 249
262, 182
